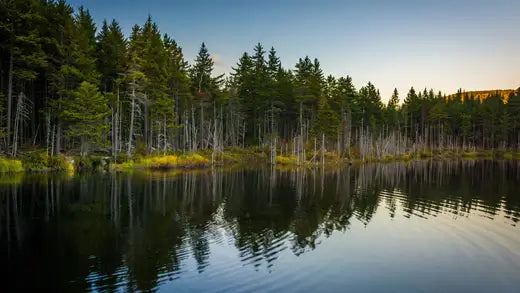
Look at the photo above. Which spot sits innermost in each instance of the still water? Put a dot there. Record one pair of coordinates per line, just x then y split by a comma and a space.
418, 227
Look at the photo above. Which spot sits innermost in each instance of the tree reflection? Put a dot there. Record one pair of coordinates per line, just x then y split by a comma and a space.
139, 230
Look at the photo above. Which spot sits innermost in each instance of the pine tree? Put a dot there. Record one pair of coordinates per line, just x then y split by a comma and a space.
111, 55
392, 108
371, 106
19, 26
85, 114
201, 71
327, 121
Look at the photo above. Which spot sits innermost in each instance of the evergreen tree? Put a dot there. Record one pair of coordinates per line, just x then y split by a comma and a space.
201, 71
392, 110
327, 121
370, 105
85, 114
19, 27
111, 55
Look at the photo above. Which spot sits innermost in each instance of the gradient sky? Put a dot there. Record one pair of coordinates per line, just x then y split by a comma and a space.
444, 45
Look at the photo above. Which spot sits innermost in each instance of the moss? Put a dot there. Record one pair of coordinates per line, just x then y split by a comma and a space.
425, 154
508, 156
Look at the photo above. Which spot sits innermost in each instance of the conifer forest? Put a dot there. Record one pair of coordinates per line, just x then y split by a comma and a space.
71, 86
259, 146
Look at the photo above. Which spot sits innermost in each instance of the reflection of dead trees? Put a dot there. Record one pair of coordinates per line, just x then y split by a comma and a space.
115, 199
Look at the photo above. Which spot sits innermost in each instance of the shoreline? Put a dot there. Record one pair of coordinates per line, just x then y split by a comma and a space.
39, 162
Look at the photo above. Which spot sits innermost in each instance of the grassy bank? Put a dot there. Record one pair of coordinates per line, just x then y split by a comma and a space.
198, 160
448, 154
193, 161
10, 166
38, 161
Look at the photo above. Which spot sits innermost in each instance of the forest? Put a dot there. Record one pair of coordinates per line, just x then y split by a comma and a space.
68, 86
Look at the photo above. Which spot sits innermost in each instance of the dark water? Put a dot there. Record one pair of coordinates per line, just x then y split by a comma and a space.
423, 227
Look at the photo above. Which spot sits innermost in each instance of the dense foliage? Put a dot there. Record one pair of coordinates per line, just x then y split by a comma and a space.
67, 86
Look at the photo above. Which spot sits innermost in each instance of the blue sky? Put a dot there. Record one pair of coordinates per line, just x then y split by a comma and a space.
444, 45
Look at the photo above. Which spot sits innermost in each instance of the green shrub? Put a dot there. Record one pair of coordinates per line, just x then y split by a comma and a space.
97, 162
140, 148
36, 161
57, 163
121, 158
82, 163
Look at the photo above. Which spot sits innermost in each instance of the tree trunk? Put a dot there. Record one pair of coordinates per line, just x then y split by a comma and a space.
9, 99
57, 145
202, 146
323, 150
131, 132
146, 126
48, 132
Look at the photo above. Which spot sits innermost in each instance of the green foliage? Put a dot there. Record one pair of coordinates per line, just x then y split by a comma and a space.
10, 166
41, 161
84, 83
86, 114
283, 160
165, 162
90, 163
111, 55
327, 121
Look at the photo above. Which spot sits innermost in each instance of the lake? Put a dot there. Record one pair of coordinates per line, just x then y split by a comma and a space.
425, 226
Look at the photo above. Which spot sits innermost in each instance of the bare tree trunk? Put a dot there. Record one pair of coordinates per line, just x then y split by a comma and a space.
58, 139
301, 130
323, 150
113, 132
202, 146
21, 112
119, 132
9, 100
314, 155
165, 140
115, 127
53, 131
193, 135
48, 132
147, 139
131, 132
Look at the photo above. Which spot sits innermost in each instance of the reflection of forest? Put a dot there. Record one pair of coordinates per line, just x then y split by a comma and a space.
99, 231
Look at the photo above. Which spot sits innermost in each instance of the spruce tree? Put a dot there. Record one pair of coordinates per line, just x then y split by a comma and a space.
85, 114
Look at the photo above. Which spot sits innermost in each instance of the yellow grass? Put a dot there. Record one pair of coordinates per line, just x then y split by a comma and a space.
165, 162
282, 160
10, 166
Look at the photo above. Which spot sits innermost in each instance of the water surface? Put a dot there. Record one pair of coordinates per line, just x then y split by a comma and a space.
422, 227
